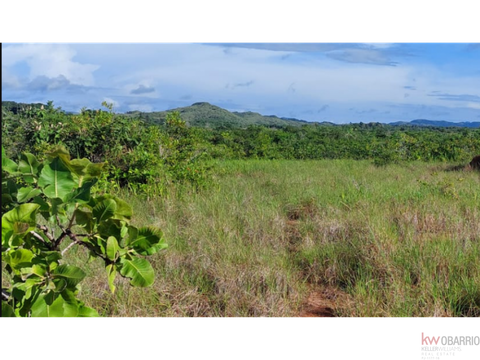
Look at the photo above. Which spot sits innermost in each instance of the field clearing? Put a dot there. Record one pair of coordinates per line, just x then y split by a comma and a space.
308, 238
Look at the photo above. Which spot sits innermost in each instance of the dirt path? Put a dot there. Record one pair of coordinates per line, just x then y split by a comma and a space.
324, 302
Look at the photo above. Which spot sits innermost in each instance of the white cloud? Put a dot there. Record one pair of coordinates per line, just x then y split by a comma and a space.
157, 76
380, 45
141, 107
364, 56
472, 105
50, 60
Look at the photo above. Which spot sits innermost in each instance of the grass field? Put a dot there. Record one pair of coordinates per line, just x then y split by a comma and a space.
309, 238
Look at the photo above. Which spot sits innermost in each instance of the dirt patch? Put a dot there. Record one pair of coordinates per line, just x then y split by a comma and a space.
307, 208
324, 302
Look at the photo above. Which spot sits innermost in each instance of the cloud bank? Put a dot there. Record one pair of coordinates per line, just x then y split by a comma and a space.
317, 82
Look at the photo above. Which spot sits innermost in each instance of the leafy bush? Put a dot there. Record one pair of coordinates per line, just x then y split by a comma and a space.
43, 204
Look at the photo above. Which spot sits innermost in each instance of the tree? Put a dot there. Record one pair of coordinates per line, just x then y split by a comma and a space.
44, 203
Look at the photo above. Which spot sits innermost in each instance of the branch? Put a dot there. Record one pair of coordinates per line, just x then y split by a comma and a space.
39, 237
69, 246
77, 241
5, 295
47, 234
62, 235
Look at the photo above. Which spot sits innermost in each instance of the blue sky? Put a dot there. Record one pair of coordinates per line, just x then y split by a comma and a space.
337, 82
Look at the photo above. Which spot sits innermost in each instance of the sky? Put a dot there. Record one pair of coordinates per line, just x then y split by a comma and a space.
336, 82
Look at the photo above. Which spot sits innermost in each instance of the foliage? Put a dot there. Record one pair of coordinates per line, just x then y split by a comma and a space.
181, 152
142, 157
147, 156
41, 197
382, 144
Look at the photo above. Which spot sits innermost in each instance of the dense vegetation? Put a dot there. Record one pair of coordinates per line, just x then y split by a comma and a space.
142, 152
259, 219
43, 204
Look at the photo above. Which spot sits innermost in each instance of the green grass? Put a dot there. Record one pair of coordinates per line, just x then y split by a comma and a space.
401, 240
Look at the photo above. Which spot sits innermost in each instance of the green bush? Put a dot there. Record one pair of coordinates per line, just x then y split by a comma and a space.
47, 202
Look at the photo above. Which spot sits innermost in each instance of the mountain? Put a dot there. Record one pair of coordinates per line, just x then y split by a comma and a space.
203, 114
437, 123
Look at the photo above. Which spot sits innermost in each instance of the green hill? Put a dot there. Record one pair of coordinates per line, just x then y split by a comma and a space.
203, 114
438, 123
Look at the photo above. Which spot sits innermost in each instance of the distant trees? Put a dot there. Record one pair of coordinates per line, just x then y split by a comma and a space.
380, 143
139, 153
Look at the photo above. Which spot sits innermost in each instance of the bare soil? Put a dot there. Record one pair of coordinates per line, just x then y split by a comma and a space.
324, 302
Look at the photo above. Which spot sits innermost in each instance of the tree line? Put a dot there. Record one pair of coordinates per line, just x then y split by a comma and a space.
139, 154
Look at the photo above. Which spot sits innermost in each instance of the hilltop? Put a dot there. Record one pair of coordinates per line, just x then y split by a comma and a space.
437, 123
204, 114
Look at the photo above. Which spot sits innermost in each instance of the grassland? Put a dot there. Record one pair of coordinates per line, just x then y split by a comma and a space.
306, 238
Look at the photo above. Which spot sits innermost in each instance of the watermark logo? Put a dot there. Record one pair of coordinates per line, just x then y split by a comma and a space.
442, 347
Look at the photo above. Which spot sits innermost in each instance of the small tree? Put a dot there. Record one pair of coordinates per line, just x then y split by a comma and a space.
45, 203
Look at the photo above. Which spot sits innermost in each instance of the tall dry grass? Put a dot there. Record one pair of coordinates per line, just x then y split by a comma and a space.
402, 240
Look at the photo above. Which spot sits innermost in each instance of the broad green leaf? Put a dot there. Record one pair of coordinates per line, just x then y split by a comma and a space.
71, 274
70, 305
44, 209
84, 219
94, 170
111, 274
7, 310
53, 265
100, 243
7, 235
32, 287
56, 179
60, 285
111, 227
145, 240
7, 199
85, 311
86, 170
104, 210
80, 195
59, 151
49, 257
123, 230
43, 204
19, 258
123, 211
29, 165
7, 164
56, 306
45, 307
155, 249
79, 166
26, 193
139, 270
39, 270
24, 214
112, 248
57, 208
9, 186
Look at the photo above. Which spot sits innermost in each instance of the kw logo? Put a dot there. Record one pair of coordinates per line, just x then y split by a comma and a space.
440, 346
429, 340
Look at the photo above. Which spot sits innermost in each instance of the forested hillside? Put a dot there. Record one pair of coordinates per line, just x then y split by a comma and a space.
203, 114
